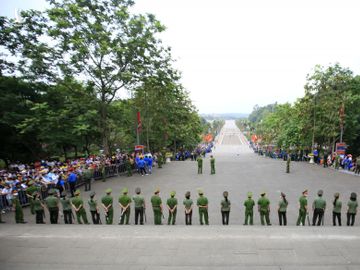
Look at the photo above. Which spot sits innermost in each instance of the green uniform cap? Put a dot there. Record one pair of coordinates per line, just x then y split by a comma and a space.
187, 194
249, 194
353, 195
137, 190
320, 192
200, 192
77, 192
157, 191
337, 195
31, 182
125, 190
305, 191
225, 193
283, 194
172, 193
92, 194
263, 193
109, 190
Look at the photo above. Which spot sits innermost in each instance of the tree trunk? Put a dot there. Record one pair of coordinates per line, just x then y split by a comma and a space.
65, 153
87, 146
103, 118
76, 151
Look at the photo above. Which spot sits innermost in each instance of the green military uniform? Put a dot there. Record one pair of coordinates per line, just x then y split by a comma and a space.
200, 165
67, 210
212, 165
319, 206
288, 164
352, 209
102, 170
172, 204
128, 167
124, 202
188, 208
88, 175
264, 209
160, 160
249, 210
30, 193
202, 203
94, 209
39, 210
337, 162
337, 205
302, 209
107, 202
225, 208
139, 203
156, 205
19, 214
52, 204
78, 204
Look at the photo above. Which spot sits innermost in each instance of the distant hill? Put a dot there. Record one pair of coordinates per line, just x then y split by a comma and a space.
225, 116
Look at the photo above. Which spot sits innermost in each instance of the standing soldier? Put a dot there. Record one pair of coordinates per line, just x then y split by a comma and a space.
78, 205
94, 210
264, 209
288, 160
337, 209
107, 203
352, 209
88, 175
124, 203
188, 203
157, 207
172, 206
283, 204
19, 214
30, 192
357, 169
225, 208
249, 209
159, 160
202, 203
212, 164
303, 208
200, 164
128, 166
66, 206
38, 208
139, 202
52, 204
318, 207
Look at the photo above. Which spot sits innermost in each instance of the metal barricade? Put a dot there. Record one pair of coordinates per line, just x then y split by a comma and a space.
4, 204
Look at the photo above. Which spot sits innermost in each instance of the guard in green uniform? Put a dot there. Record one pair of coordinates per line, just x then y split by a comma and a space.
19, 214
200, 164
249, 209
225, 208
188, 203
160, 160
303, 208
107, 203
139, 203
94, 210
67, 210
52, 203
212, 164
128, 166
352, 209
157, 207
103, 171
124, 203
38, 208
283, 204
318, 207
337, 204
172, 203
203, 203
264, 209
78, 204
88, 176
30, 194
288, 160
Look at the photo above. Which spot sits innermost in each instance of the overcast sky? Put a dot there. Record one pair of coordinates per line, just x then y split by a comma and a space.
234, 54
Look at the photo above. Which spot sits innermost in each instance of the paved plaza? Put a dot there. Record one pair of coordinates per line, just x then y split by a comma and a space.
238, 170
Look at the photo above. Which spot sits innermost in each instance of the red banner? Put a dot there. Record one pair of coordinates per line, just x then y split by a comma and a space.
139, 124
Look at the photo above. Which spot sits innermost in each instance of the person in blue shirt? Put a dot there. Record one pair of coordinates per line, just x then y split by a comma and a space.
149, 163
141, 166
72, 178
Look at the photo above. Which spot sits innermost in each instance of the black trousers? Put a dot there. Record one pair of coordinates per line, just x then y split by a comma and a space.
338, 217
40, 216
72, 188
68, 216
225, 217
54, 215
87, 184
282, 218
142, 171
188, 218
95, 217
318, 216
139, 212
350, 219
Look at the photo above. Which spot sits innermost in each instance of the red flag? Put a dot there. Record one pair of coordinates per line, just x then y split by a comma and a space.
139, 125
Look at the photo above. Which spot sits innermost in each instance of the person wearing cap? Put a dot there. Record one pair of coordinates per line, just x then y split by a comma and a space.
249, 209
31, 189
337, 204
19, 214
94, 210
288, 160
124, 203
264, 209
188, 204
318, 207
352, 209
88, 175
157, 207
283, 204
72, 179
303, 208
38, 208
200, 164
128, 166
52, 203
172, 203
203, 203
139, 203
212, 164
357, 169
67, 210
225, 208
78, 205
107, 204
